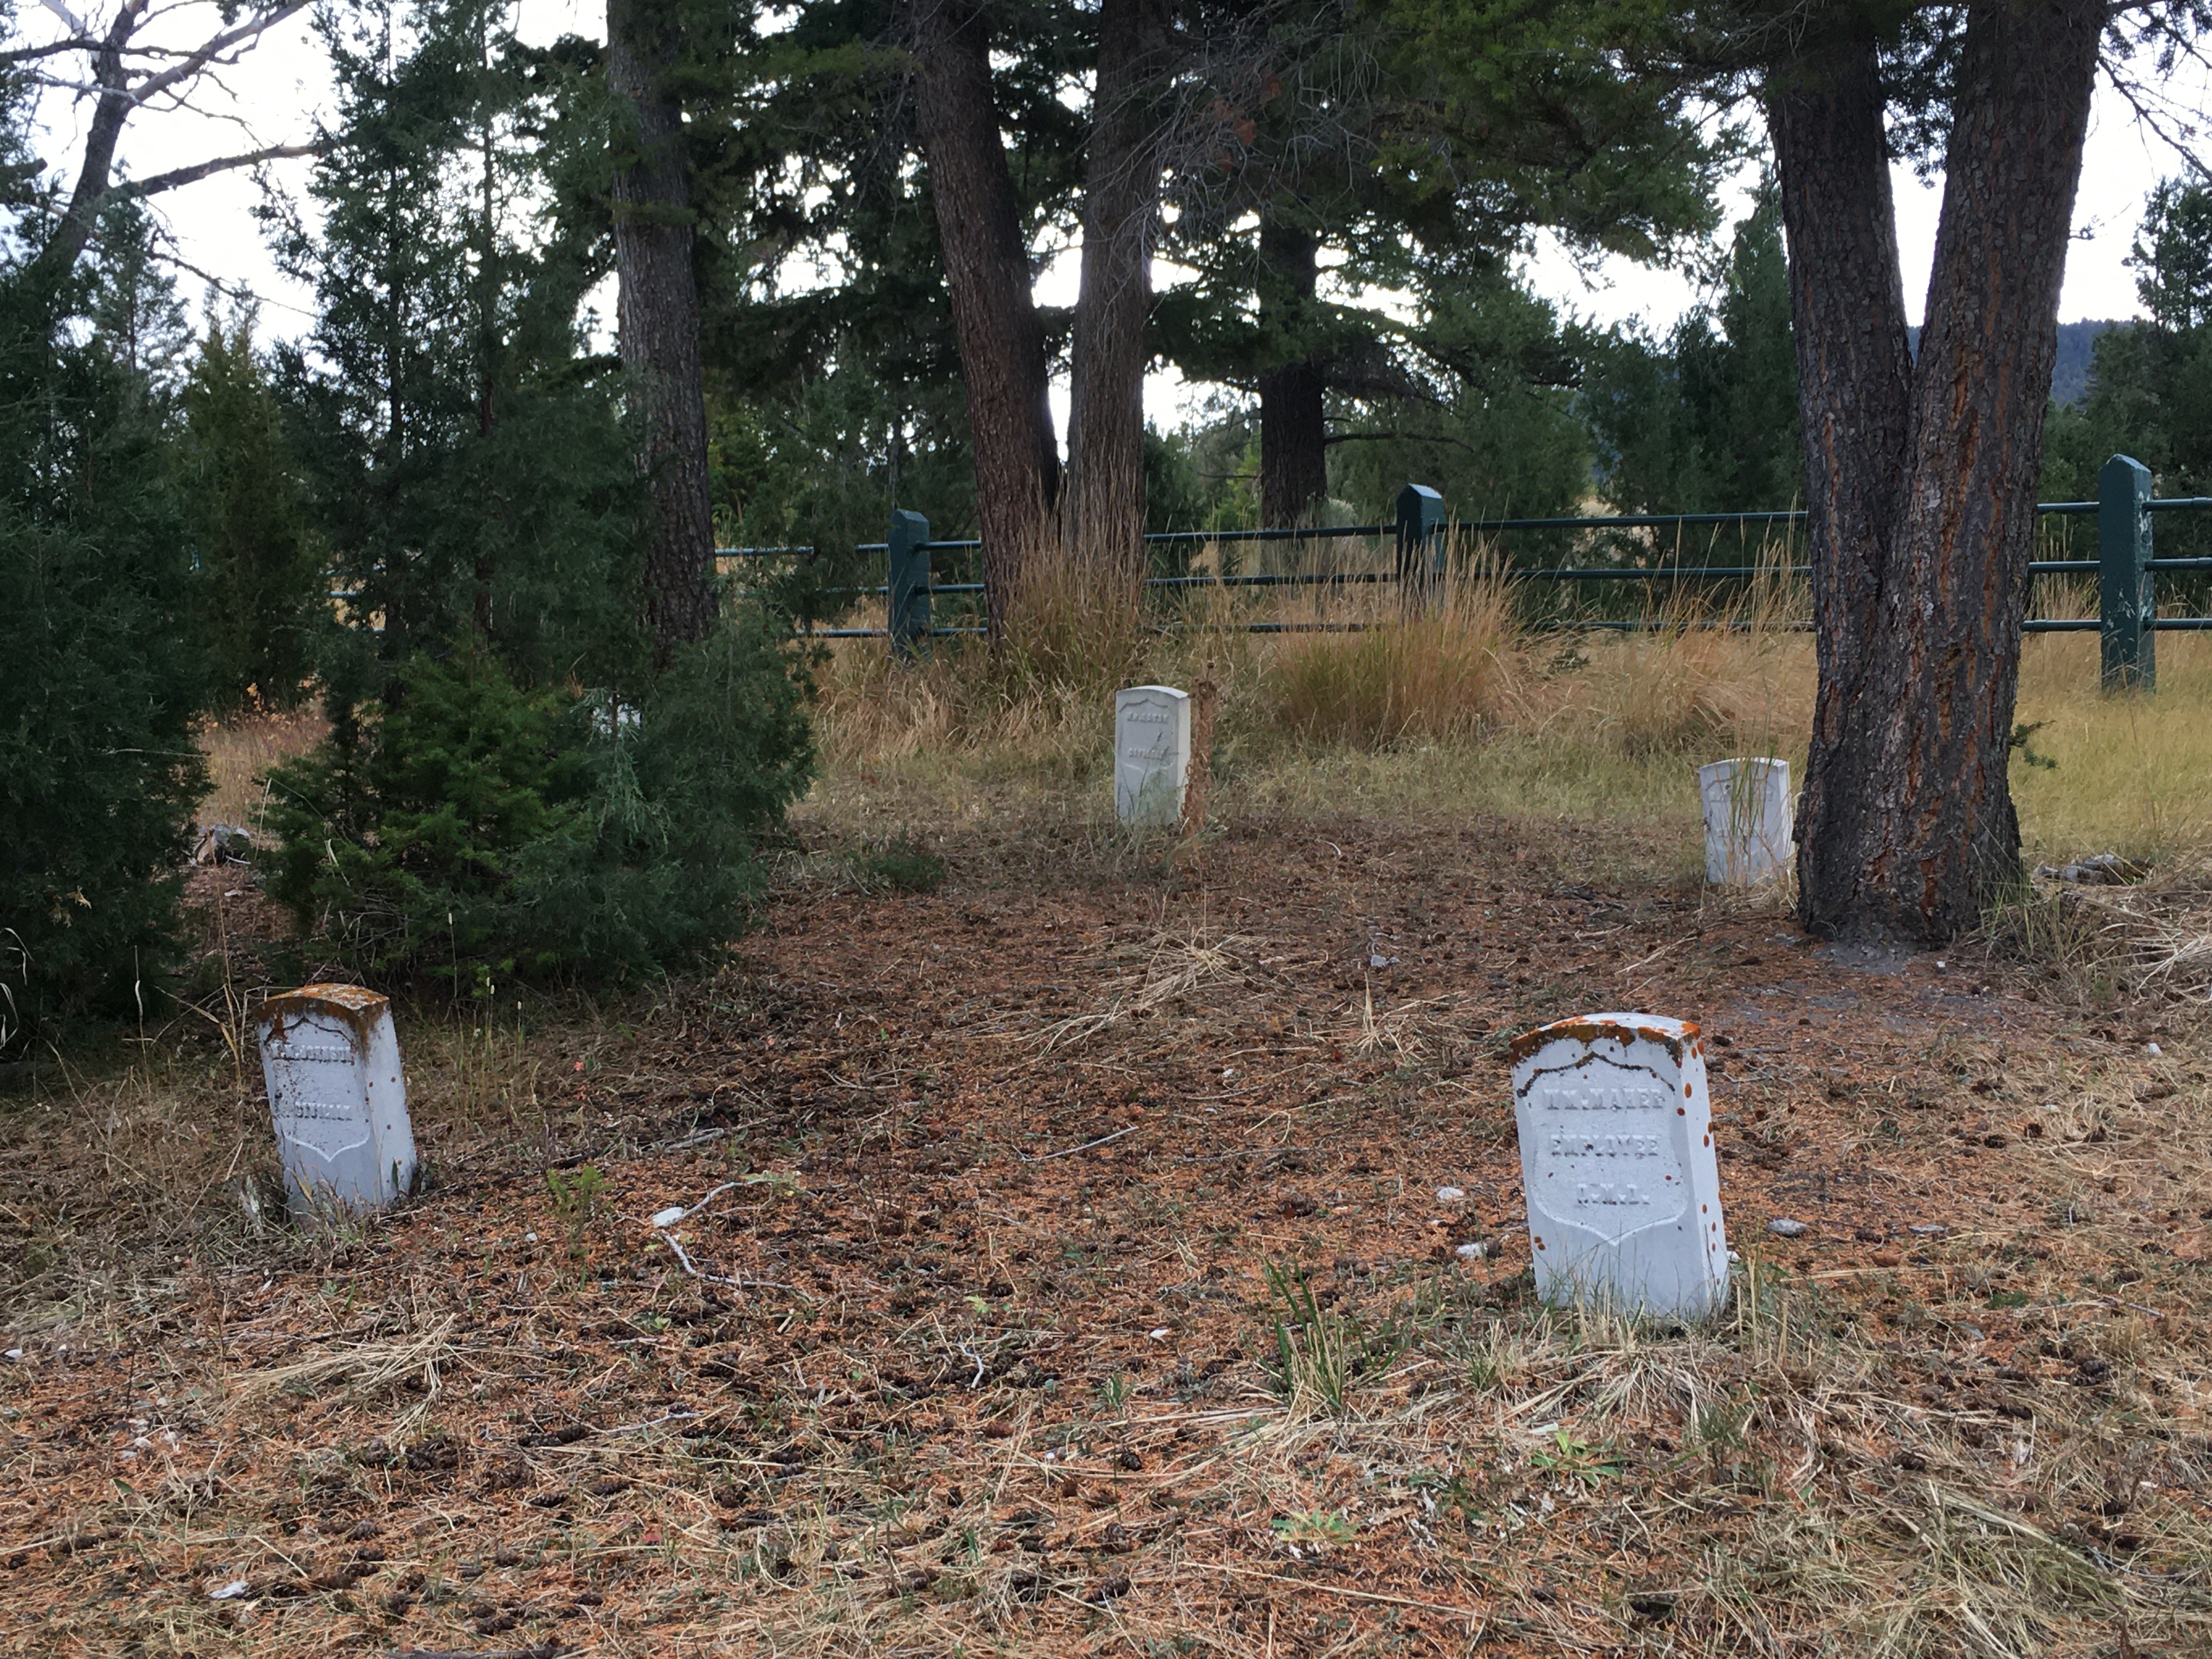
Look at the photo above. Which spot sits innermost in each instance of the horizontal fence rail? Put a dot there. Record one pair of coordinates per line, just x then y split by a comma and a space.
2127, 620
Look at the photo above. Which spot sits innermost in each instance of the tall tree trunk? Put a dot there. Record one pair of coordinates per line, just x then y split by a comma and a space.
1104, 512
657, 316
987, 278
487, 340
110, 110
1293, 432
1855, 380
1921, 541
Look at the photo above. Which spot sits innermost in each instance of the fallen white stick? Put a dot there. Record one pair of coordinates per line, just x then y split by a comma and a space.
701, 1274
676, 1212
1072, 1151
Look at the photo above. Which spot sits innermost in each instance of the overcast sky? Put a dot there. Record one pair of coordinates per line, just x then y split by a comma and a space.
273, 96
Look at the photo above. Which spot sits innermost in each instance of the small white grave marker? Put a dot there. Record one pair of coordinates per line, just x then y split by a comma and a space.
1749, 835
1617, 1161
1152, 754
337, 1096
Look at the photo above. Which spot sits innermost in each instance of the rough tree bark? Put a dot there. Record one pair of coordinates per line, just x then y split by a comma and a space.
987, 278
109, 111
1104, 510
1922, 475
1854, 379
656, 318
1293, 432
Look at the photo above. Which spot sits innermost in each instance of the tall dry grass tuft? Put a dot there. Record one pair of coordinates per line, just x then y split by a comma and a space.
1708, 677
1075, 624
958, 702
1449, 673
1074, 633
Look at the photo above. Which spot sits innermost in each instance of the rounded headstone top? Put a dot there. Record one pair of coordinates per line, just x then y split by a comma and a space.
1675, 1034
356, 1005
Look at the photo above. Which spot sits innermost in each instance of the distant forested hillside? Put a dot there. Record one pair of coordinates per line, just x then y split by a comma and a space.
2069, 379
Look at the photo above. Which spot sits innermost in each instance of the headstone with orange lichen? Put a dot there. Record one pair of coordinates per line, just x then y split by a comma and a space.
336, 1097
1617, 1162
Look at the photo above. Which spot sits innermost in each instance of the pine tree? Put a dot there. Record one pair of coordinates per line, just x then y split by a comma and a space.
261, 599
99, 771
136, 318
517, 781
1707, 422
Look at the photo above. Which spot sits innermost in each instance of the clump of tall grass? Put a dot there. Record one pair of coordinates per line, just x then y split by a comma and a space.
1706, 674
1446, 671
1076, 623
240, 750
1074, 632
957, 701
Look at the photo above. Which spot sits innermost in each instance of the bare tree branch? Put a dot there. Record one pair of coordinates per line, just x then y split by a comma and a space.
74, 24
243, 38
193, 174
51, 49
116, 89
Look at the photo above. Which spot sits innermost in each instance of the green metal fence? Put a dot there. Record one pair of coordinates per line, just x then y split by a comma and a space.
2127, 622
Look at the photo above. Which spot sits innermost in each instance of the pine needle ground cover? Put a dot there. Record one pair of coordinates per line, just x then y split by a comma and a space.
1075, 1279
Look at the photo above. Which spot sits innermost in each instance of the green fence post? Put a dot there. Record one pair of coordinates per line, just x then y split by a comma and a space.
2127, 600
1420, 543
906, 596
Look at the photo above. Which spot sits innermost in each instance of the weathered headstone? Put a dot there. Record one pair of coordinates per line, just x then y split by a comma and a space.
1617, 1160
1152, 755
336, 1097
1748, 833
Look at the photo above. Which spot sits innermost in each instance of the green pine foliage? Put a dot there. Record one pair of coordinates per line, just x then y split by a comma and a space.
461, 444
131, 302
511, 788
473, 829
1483, 414
262, 601
1202, 478
1708, 422
404, 832
99, 771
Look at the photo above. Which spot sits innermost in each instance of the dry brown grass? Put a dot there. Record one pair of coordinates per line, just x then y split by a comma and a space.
1450, 674
1465, 708
241, 751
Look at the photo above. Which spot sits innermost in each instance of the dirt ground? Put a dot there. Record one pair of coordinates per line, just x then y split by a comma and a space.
1067, 1274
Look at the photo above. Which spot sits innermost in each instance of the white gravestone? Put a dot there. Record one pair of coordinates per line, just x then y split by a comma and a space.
1748, 833
336, 1097
1152, 754
1617, 1161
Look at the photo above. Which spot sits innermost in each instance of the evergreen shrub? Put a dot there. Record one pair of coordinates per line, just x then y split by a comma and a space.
262, 601
460, 828
99, 771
